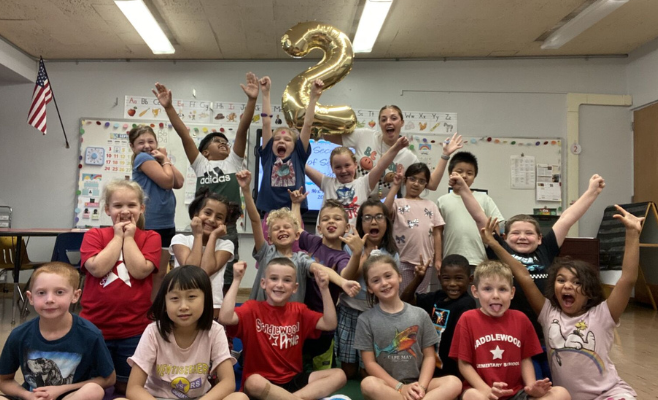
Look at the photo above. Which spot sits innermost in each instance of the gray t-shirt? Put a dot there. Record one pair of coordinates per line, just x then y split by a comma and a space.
396, 339
268, 252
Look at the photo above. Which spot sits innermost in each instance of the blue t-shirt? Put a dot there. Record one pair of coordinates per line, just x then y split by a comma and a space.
160, 203
279, 175
78, 356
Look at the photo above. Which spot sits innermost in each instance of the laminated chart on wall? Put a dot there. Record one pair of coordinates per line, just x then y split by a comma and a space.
522, 172
549, 183
105, 155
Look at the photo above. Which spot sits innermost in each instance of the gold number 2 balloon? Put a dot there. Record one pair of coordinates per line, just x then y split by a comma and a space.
337, 62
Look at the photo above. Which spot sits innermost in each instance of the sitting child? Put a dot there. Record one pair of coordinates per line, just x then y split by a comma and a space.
273, 332
445, 306
493, 344
61, 355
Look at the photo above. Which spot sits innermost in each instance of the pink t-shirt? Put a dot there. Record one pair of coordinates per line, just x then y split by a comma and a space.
578, 351
413, 225
175, 373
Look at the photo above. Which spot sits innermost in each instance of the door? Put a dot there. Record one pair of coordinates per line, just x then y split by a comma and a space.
645, 149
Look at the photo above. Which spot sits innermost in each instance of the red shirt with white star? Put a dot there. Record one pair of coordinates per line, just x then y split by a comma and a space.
273, 338
495, 346
117, 303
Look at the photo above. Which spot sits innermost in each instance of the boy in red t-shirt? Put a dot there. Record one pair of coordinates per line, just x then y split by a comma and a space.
273, 334
494, 345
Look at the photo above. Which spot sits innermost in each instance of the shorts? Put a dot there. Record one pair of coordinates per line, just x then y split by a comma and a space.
232, 235
120, 350
318, 353
344, 337
165, 235
297, 382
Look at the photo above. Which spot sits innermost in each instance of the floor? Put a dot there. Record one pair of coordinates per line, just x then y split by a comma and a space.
635, 352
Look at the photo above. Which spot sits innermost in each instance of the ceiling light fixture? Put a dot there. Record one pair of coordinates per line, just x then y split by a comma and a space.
581, 22
373, 17
148, 28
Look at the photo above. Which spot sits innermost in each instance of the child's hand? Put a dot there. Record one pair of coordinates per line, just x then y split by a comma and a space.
238, 269
453, 144
298, 196
538, 388
401, 143
411, 391
197, 226
265, 84
630, 221
220, 231
48, 392
321, 278
596, 184
316, 88
163, 94
351, 288
130, 228
421, 269
119, 227
251, 89
160, 155
498, 390
244, 179
456, 182
487, 233
355, 242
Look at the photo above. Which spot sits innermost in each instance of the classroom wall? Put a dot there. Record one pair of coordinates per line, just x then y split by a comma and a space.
641, 74
516, 98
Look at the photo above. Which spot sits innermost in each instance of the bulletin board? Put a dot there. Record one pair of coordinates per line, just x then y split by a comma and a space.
105, 155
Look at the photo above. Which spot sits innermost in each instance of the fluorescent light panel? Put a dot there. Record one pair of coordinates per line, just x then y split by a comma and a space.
147, 27
372, 20
581, 22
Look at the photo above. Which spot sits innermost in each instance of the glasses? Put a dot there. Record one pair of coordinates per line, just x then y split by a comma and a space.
413, 179
220, 141
379, 217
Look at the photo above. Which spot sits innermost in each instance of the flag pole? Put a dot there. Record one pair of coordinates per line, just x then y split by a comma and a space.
52, 91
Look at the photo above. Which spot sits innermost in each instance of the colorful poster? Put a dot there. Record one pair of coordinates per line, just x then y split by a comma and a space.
149, 108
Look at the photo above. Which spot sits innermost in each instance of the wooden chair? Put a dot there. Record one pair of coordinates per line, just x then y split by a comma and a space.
7, 254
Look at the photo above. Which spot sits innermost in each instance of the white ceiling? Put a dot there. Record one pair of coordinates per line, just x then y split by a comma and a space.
251, 29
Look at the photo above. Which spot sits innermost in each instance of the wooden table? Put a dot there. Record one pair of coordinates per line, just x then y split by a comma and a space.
20, 233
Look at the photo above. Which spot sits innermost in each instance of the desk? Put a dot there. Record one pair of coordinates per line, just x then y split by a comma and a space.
20, 234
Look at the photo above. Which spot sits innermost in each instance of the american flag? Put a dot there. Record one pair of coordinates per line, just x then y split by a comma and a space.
40, 97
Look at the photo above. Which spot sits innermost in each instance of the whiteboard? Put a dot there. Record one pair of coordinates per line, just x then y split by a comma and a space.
105, 155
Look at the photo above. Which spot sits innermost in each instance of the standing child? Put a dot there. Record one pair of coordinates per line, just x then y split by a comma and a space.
417, 224
460, 234
61, 355
214, 161
210, 213
578, 321
155, 173
373, 225
273, 332
184, 346
350, 192
493, 345
445, 306
118, 263
397, 341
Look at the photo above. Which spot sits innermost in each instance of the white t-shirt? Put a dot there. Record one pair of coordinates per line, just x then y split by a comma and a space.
174, 372
351, 195
460, 233
216, 279
369, 147
219, 175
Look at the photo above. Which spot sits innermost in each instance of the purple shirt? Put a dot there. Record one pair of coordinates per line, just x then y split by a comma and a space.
334, 259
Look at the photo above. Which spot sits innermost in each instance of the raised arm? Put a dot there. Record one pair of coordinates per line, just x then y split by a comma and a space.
328, 321
244, 179
618, 299
227, 314
449, 146
351, 288
390, 196
461, 188
191, 256
521, 274
212, 260
356, 244
251, 90
409, 293
265, 84
315, 175
165, 99
297, 197
572, 214
378, 170
316, 92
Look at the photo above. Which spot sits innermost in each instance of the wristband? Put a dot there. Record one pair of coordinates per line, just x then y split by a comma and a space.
166, 163
264, 115
398, 387
423, 387
445, 157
